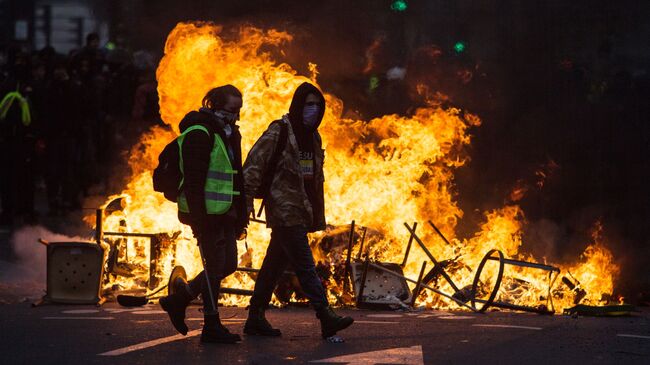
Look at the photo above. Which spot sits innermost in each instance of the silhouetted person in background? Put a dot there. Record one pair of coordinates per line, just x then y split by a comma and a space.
63, 138
17, 143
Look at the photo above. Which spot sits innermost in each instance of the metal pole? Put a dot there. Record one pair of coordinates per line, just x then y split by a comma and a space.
347, 261
418, 285
207, 279
248, 269
516, 307
99, 229
532, 265
259, 213
408, 246
433, 259
459, 302
153, 262
235, 291
550, 287
438, 232
129, 234
363, 239
362, 285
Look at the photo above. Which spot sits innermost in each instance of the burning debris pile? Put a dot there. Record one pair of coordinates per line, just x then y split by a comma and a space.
379, 172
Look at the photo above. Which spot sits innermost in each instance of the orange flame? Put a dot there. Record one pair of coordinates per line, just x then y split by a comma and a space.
380, 172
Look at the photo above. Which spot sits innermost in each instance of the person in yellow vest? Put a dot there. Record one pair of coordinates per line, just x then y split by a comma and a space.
212, 202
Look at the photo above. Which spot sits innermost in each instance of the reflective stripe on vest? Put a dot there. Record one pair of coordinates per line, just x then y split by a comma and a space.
8, 101
219, 186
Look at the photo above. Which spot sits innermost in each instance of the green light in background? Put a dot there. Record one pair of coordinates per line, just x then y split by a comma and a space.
374, 83
460, 47
110, 46
399, 5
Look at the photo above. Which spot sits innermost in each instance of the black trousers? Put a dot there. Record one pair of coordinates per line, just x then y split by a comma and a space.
288, 245
220, 260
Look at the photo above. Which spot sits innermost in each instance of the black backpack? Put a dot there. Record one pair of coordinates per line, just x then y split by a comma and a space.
167, 176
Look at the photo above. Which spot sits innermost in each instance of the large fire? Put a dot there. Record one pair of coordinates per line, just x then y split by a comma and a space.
380, 173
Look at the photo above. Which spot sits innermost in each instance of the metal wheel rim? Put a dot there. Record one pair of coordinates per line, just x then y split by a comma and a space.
497, 284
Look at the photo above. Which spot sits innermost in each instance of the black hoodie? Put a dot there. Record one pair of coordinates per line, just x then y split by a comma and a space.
303, 133
305, 137
196, 160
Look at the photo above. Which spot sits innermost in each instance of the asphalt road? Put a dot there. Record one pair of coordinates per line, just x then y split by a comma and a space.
57, 334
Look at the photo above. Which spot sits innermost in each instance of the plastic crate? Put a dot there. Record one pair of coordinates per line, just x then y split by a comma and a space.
74, 272
381, 288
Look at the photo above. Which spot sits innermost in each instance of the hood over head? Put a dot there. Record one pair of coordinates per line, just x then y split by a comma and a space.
298, 103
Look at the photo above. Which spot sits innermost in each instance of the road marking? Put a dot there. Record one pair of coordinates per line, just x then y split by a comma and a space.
122, 310
455, 317
507, 326
426, 316
385, 315
149, 312
355, 321
435, 315
632, 336
92, 318
222, 320
81, 311
402, 355
148, 344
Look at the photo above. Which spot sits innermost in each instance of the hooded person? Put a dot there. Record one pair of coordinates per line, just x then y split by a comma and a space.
212, 202
294, 203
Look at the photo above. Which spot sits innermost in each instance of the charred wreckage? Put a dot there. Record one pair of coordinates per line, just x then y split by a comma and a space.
81, 272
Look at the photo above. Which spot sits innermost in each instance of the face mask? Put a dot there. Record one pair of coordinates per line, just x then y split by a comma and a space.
310, 115
227, 116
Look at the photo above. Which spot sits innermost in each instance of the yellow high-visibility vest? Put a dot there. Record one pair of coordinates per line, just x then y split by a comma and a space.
219, 186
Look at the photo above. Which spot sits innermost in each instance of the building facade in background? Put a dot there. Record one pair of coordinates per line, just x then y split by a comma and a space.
63, 24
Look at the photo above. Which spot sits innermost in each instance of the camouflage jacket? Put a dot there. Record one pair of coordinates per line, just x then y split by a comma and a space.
287, 204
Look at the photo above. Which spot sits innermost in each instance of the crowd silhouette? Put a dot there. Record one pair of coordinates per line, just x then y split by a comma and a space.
64, 119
